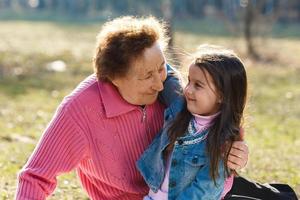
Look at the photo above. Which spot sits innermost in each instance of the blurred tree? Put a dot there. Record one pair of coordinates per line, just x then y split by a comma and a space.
258, 16
5, 4
42, 4
23, 3
120, 6
189, 8
289, 9
95, 6
168, 16
219, 4
196, 7
290, 12
248, 23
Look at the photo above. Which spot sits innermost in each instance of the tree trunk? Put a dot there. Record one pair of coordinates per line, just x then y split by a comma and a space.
248, 23
167, 14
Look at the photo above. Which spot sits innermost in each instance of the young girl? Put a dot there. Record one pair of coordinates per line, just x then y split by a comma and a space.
187, 159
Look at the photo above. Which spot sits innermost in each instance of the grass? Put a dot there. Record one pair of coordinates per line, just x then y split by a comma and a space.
30, 94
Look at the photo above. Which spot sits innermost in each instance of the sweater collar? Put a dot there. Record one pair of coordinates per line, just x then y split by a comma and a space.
113, 102
202, 120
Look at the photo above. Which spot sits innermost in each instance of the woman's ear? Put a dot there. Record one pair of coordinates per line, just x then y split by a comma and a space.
115, 81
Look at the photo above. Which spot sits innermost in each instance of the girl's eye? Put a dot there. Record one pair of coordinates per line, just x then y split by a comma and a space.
198, 85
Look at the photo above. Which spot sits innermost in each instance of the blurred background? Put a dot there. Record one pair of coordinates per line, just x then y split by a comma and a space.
46, 49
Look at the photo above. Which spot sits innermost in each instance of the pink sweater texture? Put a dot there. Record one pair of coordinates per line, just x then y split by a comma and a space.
98, 133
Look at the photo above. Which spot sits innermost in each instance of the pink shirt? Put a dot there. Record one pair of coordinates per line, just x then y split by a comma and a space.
100, 135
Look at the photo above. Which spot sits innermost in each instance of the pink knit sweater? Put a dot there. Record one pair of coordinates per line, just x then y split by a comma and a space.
100, 135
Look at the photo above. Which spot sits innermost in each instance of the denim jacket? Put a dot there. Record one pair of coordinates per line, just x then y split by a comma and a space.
189, 177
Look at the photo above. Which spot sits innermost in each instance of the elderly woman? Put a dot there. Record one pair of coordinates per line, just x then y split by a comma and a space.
106, 123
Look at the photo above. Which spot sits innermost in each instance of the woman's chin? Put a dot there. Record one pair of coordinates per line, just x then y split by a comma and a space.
151, 100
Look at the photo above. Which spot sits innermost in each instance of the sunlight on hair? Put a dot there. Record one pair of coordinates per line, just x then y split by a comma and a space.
130, 25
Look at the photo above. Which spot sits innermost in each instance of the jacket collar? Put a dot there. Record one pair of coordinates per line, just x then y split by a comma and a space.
113, 102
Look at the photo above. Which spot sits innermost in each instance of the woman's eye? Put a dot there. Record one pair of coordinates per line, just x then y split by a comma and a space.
148, 77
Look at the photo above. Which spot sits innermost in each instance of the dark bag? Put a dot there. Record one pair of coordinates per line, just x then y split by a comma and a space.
244, 189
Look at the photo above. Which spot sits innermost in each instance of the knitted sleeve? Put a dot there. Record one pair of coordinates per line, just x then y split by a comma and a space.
60, 149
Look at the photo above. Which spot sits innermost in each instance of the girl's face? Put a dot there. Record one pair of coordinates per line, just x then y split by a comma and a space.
200, 92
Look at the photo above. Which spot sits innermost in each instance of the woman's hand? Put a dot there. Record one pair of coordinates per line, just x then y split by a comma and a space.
238, 155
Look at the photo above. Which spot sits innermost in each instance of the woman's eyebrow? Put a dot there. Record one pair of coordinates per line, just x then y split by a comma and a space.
151, 71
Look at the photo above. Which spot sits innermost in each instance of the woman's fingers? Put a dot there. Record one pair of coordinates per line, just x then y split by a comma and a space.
238, 155
232, 165
240, 145
235, 162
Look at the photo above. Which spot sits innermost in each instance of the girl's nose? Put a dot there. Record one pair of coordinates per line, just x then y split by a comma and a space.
187, 90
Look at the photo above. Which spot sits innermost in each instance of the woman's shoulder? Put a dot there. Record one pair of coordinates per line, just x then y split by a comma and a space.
89, 86
86, 93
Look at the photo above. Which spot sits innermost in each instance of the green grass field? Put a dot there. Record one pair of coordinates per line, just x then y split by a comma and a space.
30, 94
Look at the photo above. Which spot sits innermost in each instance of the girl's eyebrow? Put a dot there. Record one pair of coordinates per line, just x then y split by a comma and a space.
198, 81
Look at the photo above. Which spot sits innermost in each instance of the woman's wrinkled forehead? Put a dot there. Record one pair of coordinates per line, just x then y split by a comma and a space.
152, 59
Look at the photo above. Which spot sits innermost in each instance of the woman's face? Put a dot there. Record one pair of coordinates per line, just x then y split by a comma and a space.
145, 78
200, 92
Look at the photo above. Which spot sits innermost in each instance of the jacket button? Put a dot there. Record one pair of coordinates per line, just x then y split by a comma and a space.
195, 160
174, 163
172, 184
180, 142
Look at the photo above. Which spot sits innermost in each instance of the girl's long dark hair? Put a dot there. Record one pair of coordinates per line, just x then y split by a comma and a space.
230, 80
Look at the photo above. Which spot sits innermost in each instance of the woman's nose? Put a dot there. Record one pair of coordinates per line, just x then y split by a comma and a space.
158, 83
